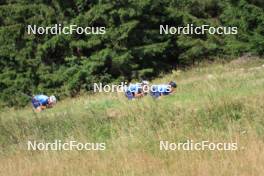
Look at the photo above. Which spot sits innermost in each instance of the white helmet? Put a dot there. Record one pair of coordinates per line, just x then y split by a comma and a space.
52, 99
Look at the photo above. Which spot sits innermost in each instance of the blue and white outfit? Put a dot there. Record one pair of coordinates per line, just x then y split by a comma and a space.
158, 90
132, 89
40, 100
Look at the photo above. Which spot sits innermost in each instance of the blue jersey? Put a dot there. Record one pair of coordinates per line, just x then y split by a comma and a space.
158, 90
40, 100
132, 89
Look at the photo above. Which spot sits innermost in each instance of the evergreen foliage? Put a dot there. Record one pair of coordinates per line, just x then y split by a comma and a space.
131, 48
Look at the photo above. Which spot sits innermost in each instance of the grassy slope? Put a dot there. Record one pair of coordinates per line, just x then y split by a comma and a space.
219, 103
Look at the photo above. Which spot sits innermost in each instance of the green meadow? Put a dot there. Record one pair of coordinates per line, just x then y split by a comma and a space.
218, 102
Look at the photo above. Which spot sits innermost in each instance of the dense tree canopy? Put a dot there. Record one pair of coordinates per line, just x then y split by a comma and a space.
131, 48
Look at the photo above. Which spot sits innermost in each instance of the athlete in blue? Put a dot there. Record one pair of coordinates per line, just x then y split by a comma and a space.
163, 89
41, 102
136, 90
133, 91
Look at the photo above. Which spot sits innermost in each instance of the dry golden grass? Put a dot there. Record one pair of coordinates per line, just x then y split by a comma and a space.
246, 161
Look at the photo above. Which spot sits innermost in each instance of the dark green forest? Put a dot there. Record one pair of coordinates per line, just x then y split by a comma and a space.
132, 48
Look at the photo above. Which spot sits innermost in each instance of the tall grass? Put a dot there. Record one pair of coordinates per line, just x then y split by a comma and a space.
218, 102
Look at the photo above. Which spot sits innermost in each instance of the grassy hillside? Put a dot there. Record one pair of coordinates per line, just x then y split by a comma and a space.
221, 102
